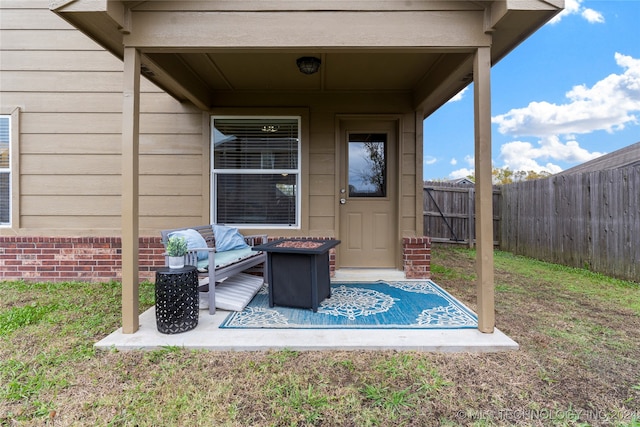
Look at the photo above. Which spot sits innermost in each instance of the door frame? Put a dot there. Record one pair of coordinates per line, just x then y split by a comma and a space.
396, 121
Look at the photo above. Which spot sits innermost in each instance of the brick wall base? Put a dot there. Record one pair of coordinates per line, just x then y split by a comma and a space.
98, 259
58, 259
416, 257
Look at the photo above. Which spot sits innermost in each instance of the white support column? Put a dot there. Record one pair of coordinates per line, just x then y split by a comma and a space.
130, 212
484, 190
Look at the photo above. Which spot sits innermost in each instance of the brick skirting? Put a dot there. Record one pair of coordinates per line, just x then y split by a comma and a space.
58, 259
416, 257
98, 259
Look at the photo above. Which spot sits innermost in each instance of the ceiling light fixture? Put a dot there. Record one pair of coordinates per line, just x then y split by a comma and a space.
308, 64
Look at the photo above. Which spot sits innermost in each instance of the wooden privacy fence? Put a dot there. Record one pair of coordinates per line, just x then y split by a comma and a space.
589, 220
449, 212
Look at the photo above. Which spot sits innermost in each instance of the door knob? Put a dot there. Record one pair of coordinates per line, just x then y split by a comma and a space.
343, 201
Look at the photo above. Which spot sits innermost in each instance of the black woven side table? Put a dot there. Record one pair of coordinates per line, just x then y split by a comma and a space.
176, 299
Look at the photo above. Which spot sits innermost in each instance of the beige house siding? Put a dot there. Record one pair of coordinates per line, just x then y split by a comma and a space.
69, 92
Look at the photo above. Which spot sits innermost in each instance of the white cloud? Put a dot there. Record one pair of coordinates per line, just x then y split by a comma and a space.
592, 16
459, 95
429, 160
521, 155
608, 105
461, 173
574, 7
453, 162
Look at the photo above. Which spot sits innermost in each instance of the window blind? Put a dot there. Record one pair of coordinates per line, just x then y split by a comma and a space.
256, 171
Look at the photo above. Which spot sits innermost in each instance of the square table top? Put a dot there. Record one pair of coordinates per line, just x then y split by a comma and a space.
300, 246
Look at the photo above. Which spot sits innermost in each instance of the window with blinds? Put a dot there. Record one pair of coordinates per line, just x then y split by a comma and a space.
5, 170
256, 171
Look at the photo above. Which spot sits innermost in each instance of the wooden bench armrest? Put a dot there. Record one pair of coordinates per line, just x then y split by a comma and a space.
255, 239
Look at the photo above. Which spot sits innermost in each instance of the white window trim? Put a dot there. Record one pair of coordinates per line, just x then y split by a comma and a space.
298, 172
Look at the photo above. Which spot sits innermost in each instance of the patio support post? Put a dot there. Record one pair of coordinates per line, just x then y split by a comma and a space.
419, 129
130, 151
484, 190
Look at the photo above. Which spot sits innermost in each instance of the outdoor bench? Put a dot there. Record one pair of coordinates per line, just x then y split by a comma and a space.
222, 270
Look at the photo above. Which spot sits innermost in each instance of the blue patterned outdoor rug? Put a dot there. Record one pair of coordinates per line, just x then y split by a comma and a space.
380, 305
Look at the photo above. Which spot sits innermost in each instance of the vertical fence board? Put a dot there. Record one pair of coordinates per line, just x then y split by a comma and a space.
449, 212
588, 220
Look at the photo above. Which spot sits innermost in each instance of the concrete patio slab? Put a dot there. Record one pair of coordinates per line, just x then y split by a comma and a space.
207, 335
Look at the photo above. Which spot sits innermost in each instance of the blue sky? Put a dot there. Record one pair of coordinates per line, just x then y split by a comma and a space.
566, 95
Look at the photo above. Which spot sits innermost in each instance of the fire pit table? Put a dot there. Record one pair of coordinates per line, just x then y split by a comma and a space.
298, 271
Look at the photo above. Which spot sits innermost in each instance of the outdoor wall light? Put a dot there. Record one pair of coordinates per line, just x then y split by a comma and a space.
308, 64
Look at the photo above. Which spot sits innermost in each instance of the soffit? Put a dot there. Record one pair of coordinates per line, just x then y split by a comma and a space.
432, 73
277, 71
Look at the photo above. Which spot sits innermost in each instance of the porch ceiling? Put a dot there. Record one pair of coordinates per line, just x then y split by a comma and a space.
268, 71
177, 59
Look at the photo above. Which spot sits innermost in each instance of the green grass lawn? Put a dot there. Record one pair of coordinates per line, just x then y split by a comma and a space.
578, 363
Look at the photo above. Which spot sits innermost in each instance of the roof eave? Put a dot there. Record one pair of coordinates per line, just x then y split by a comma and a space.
106, 22
510, 23
101, 20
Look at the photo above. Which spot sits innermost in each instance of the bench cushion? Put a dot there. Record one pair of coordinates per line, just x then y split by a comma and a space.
237, 291
229, 257
228, 238
194, 241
